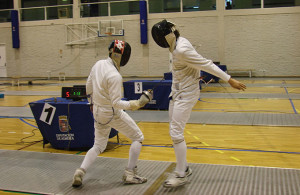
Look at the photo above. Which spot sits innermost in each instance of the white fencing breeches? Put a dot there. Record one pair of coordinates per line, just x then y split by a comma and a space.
121, 121
179, 114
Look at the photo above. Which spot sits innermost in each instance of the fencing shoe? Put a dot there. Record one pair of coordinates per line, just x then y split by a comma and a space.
188, 171
78, 176
175, 180
131, 177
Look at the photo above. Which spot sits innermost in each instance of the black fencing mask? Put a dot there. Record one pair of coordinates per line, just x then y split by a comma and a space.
165, 34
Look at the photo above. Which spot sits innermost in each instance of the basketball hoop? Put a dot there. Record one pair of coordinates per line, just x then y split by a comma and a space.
108, 33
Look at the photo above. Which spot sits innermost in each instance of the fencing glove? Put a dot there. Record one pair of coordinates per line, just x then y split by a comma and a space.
146, 97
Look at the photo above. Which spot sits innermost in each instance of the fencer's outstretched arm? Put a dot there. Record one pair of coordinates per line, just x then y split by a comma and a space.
195, 60
146, 97
236, 84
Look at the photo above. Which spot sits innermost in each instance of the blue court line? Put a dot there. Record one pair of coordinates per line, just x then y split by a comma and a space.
22, 119
226, 149
214, 102
16, 117
291, 101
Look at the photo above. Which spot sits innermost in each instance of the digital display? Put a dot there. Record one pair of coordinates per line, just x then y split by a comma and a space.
75, 93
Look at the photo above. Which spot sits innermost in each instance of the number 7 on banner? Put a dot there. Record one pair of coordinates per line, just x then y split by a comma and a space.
47, 114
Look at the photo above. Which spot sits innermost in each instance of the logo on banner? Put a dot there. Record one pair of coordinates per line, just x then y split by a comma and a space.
65, 137
63, 123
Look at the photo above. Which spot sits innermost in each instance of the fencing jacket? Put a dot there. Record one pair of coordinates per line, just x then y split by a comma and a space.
186, 67
104, 84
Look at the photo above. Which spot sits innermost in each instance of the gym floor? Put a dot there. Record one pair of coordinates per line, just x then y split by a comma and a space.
258, 127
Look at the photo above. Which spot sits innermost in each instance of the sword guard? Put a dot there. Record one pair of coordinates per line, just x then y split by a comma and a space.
148, 93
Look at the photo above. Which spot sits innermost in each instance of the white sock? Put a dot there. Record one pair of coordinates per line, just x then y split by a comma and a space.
134, 153
89, 158
180, 152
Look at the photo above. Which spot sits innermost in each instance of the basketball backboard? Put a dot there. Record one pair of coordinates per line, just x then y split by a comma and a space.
110, 28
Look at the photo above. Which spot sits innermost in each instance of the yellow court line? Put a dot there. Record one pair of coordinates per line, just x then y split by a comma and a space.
234, 158
221, 152
291, 90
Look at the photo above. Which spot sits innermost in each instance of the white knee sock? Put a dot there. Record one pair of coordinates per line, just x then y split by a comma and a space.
134, 153
89, 158
180, 152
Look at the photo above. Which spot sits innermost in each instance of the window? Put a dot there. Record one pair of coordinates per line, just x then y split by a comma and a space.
5, 16
5, 6
32, 14
125, 8
228, 4
198, 5
242, 4
246, 4
163, 6
91, 1
95, 8
59, 12
279, 3
46, 9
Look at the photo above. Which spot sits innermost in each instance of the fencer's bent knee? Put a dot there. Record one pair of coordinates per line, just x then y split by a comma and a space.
178, 141
137, 137
99, 148
140, 138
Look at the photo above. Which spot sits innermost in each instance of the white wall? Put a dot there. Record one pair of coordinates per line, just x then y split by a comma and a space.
266, 40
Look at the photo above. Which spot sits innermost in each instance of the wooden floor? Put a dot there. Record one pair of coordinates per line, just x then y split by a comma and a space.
268, 146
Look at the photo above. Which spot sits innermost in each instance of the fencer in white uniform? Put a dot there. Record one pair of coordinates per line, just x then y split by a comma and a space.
186, 67
104, 86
